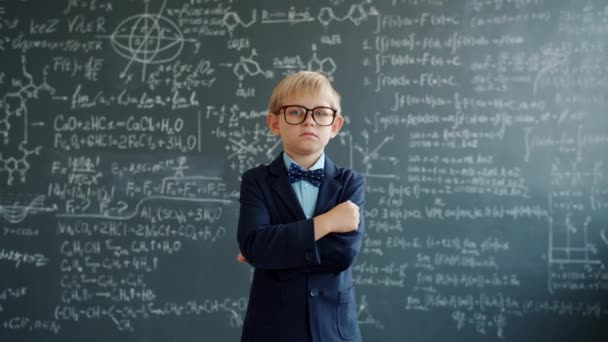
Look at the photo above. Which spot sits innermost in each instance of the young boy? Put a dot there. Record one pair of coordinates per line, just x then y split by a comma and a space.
301, 223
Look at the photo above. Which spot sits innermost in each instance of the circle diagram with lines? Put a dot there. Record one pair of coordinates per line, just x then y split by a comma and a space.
147, 39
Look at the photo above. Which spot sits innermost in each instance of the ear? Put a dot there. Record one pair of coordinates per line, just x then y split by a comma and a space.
273, 123
336, 126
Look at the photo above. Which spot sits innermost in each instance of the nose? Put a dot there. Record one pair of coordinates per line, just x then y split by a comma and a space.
309, 119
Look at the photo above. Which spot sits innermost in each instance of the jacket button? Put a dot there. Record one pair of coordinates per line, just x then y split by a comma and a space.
314, 292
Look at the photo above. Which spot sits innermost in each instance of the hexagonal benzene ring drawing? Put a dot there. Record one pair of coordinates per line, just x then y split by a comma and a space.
13, 165
147, 39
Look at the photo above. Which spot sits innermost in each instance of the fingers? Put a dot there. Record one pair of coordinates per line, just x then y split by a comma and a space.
343, 218
351, 215
356, 213
240, 258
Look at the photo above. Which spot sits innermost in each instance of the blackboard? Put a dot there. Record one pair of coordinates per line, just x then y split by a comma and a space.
480, 127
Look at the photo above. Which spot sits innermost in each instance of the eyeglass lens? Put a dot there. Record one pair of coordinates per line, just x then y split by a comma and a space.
295, 115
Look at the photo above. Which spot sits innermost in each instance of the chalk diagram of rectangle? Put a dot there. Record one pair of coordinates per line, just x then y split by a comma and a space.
567, 250
147, 38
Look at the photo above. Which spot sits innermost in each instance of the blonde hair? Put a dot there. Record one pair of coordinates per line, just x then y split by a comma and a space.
303, 81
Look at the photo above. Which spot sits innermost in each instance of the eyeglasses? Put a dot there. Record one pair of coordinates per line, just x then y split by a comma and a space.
296, 114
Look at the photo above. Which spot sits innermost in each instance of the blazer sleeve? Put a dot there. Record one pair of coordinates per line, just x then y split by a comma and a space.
268, 246
338, 251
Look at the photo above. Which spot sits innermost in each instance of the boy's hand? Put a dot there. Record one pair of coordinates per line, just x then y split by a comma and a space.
343, 218
240, 258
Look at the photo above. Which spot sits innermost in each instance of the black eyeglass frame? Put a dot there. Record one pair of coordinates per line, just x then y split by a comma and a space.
333, 118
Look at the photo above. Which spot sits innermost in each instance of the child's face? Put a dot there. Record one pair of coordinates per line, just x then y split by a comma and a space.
307, 138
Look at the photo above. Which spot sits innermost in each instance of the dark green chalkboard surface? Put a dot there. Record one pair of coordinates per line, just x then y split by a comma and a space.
480, 126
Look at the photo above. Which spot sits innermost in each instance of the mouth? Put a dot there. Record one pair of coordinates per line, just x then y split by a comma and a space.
308, 134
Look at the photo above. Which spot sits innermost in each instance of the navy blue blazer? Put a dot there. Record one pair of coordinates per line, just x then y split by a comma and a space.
302, 290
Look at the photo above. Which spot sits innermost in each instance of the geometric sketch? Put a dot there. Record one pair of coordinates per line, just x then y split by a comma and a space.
365, 317
16, 213
553, 62
570, 244
147, 39
371, 155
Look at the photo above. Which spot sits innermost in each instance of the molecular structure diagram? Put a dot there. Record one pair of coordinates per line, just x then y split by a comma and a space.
357, 14
232, 19
17, 165
14, 105
326, 66
247, 66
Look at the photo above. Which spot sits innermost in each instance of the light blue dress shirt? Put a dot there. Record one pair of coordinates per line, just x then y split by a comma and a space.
305, 191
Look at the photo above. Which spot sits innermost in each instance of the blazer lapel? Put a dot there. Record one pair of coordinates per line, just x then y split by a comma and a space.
329, 189
281, 186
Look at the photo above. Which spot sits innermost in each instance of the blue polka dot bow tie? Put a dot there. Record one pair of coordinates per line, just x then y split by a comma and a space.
296, 173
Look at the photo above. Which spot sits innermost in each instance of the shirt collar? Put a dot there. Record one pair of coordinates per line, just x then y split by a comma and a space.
319, 164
